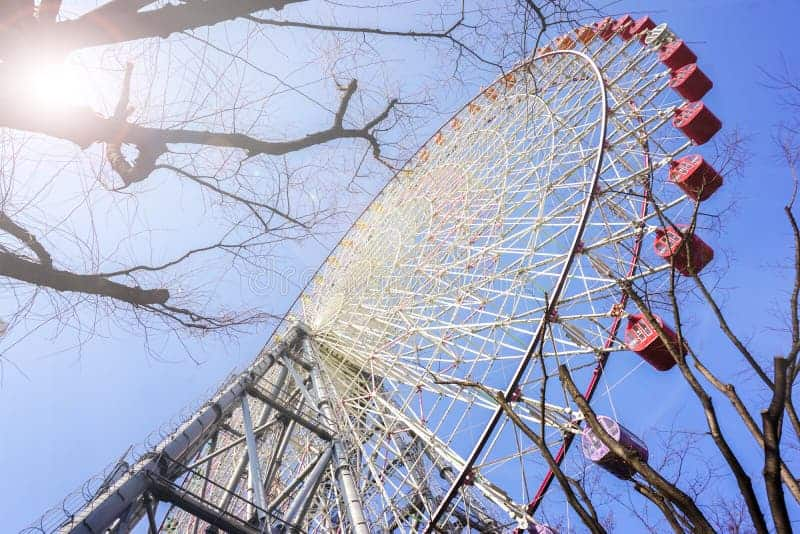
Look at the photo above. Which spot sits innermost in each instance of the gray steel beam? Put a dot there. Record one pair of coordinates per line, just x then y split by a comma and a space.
277, 454
344, 477
299, 506
290, 488
290, 414
199, 508
217, 451
152, 528
207, 468
254, 484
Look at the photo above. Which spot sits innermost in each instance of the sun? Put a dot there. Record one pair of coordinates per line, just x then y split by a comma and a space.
53, 85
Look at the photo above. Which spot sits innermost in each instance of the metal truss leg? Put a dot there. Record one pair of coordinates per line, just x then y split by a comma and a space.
207, 470
299, 507
201, 509
277, 455
255, 485
344, 477
151, 514
238, 471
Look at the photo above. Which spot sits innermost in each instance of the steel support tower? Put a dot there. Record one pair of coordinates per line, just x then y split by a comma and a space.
225, 469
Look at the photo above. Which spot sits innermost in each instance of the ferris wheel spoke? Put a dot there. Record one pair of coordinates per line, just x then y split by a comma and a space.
446, 456
457, 389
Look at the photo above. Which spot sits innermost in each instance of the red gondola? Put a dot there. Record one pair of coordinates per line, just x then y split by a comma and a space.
696, 122
643, 339
641, 25
676, 54
695, 176
690, 82
688, 254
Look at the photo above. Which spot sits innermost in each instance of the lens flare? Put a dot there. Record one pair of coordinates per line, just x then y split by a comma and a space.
53, 85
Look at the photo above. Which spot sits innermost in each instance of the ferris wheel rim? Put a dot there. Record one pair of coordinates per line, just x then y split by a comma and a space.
594, 381
563, 275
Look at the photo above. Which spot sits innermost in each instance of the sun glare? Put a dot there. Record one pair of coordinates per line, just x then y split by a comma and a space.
54, 85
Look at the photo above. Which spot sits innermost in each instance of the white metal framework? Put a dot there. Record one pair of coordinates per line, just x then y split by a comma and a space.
493, 257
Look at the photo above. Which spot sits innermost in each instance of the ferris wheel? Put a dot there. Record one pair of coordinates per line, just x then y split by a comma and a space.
494, 257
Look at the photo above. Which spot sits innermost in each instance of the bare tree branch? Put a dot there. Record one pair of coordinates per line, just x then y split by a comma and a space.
30, 241
663, 505
683, 501
117, 22
85, 127
46, 276
358, 29
712, 420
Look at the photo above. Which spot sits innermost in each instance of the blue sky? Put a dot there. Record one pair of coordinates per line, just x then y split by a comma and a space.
71, 414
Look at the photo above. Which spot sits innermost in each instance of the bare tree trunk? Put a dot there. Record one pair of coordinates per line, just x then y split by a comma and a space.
772, 418
742, 479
